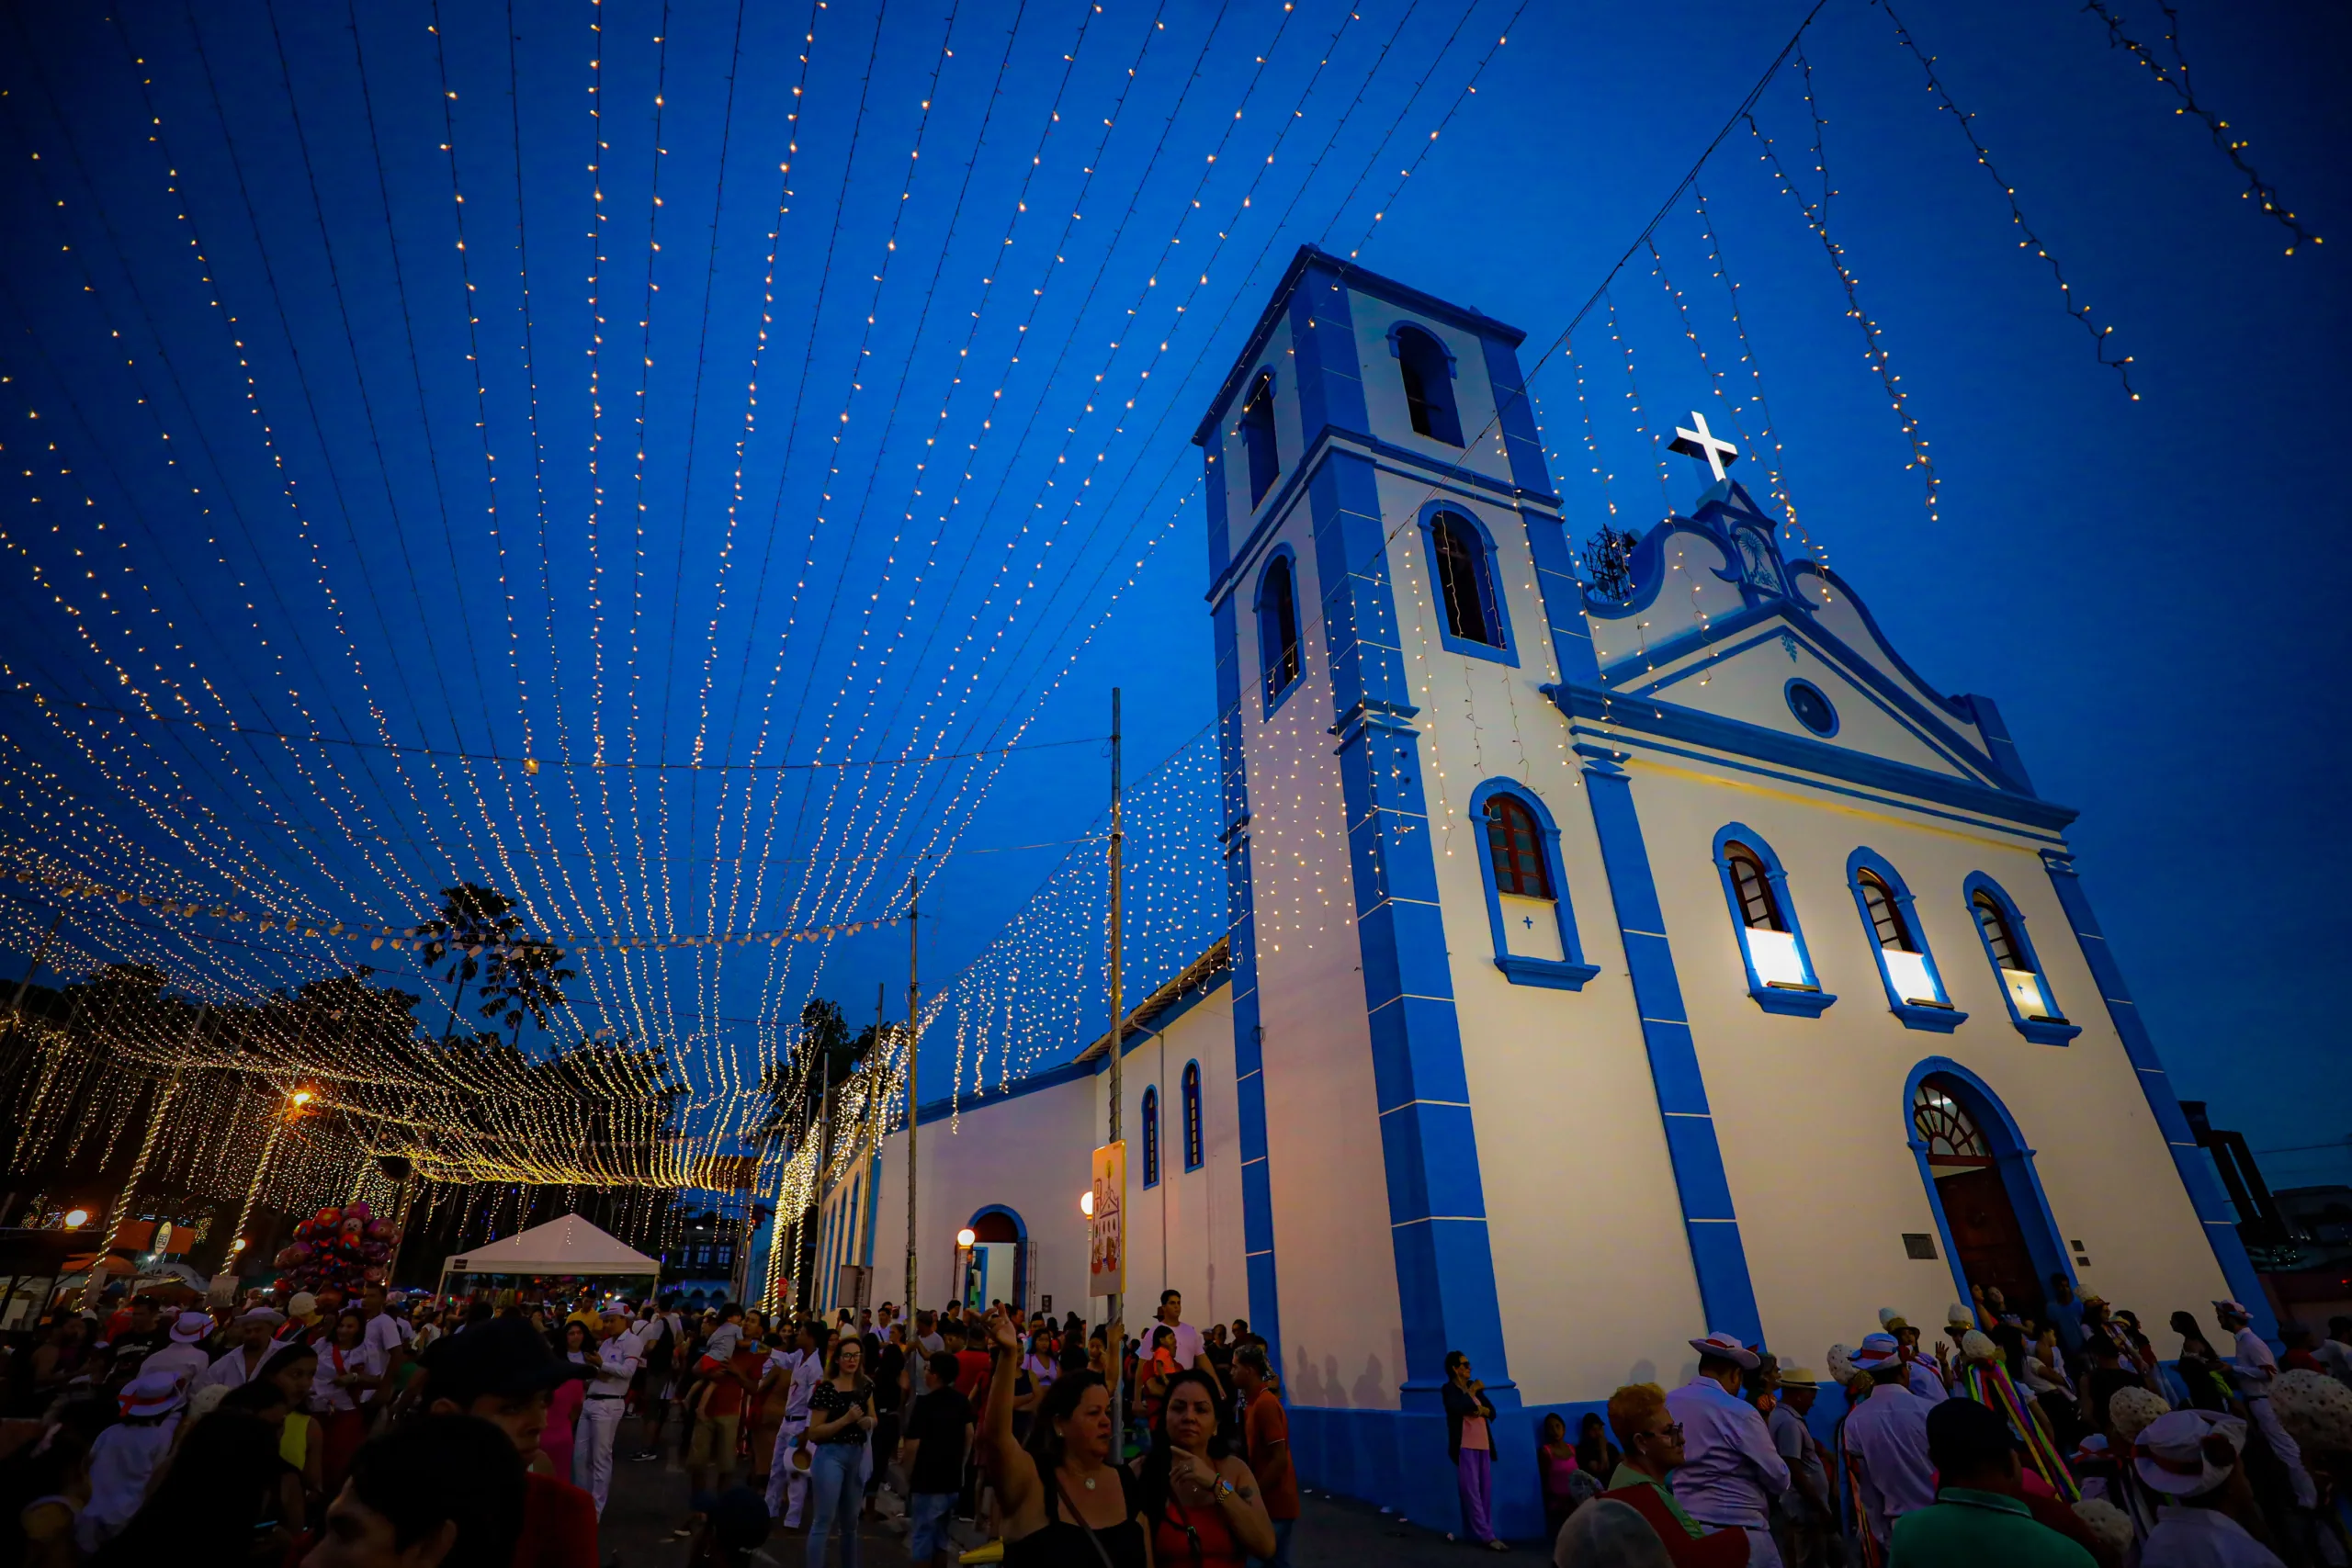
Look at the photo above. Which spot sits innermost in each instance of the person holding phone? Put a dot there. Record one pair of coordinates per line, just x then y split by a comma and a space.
840, 1419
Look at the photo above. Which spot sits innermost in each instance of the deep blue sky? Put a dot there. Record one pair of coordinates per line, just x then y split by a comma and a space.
2140, 584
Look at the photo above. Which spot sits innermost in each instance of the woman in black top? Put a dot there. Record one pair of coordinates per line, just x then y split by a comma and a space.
1064, 1487
841, 1415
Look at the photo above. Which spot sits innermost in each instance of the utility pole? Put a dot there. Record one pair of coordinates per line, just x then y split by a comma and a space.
1119, 1349
914, 1030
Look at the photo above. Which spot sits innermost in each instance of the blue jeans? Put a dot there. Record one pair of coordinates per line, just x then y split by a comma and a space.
928, 1513
835, 1493
1280, 1559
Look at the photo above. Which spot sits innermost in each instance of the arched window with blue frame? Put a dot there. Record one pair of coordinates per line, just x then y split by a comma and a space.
1528, 911
1780, 975
1280, 660
1470, 617
1426, 368
1258, 436
1150, 1119
1196, 1143
2033, 1007
1915, 988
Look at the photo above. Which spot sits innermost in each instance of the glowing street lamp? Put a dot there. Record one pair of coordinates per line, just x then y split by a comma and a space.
76, 1218
1086, 1203
966, 1237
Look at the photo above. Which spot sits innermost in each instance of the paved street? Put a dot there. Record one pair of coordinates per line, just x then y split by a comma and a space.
649, 1499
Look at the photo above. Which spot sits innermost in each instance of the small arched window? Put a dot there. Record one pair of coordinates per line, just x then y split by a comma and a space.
1464, 581
1946, 1127
1151, 1137
1999, 936
1258, 436
1427, 371
1278, 655
1759, 910
1514, 844
1195, 1138
1893, 933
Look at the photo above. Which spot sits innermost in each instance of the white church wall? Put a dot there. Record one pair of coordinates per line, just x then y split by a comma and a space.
1810, 1112
1185, 1232
1343, 1343
1030, 1153
1842, 616
1694, 594
1577, 1181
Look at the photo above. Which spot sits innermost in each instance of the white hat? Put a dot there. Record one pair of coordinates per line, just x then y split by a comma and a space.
1956, 1312
1977, 1346
302, 1304
1727, 1347
1891, 1320
2133, 1410
151, 1394
1800, 1377
189, 1327
2234, 1308
2187, 1453
269, 1315
1841, 1363
1877, 1350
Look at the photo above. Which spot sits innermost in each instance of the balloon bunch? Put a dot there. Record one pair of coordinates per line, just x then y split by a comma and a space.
343, 1248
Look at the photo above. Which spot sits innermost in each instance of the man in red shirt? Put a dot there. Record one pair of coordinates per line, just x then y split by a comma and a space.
1265, 1431
502, 1373
971, 1366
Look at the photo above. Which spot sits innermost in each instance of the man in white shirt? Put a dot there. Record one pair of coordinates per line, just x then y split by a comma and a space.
243, 1362
804, 1366
1188, 1339
615, 1356
185, 1357
2256, 1370
1731, 1471
1886, 1441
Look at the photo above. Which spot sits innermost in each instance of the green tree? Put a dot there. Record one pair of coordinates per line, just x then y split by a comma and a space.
474, 920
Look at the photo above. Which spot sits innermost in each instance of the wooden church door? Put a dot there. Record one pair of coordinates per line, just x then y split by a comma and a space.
1986, 1237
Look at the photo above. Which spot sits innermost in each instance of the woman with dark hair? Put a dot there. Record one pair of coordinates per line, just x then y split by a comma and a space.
1062, 1500
565, 1400
1595, 1455
1555, 1473
2202, 1372
1202, 1500
291, 1368
350, 1372
218, 1501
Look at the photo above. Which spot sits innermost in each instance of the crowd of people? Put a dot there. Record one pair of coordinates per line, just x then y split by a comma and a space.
485, 1432
379, 1431
2052, 1436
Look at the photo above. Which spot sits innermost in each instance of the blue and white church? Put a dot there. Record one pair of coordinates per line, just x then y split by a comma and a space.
1603, 969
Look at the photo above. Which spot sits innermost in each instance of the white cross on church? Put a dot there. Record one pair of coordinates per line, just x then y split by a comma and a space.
1702, 443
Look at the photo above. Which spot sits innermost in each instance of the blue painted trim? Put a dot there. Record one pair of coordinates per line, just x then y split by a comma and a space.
2053, 1031
1437, 1206
1489, 585
1261, 1277
1468, 483
1147, 1114
1771, 998
1396, 1459
1953, 708
2011, 1156
1710, 1223
1939, 1019
1789, 696
1365, 281
1273, 697
1649, 715
1020, 1225
1568, 974
2196, 1171
1196, 1131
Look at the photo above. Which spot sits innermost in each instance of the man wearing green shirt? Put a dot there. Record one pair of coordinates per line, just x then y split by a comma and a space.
1979, 1516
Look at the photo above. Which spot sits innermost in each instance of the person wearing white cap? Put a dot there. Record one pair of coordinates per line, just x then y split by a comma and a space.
123, 1457
242, 1362
1731, 1472
615, 1356
1886, 1441
184, 1357
2256, 1370
2190, 1458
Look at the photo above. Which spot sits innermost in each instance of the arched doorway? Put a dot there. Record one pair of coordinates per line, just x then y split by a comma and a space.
997, 1268
1996, 1227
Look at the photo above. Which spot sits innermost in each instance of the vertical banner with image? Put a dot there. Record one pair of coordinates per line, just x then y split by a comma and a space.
1106, 1237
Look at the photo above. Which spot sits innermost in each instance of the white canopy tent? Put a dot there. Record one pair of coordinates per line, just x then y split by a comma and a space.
566, 1246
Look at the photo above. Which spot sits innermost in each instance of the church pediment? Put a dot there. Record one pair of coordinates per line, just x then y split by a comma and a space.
1709, 616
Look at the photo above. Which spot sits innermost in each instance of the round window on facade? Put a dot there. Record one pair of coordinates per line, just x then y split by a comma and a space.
1813, 709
